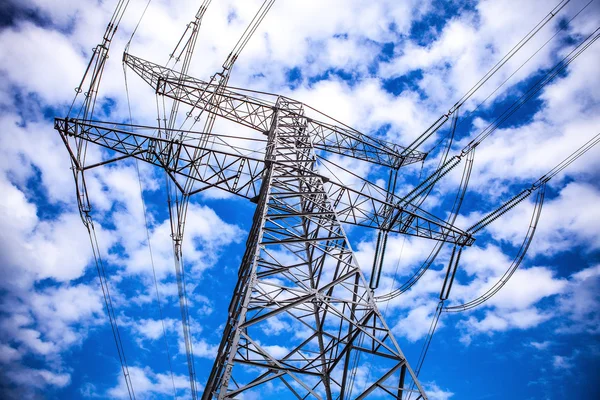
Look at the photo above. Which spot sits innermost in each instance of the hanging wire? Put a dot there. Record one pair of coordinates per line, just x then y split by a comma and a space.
109, 304
220, 79
515, 49
144, 210
561, 28
496, 123
535, 88
93, 75
539, 184
458, 200
494, 215
137, 26
535, 217
389, 298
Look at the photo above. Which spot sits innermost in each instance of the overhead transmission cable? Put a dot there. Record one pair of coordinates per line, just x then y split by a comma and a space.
561, 27
220, 79
146, 225
512, 52
419, 197
144, 210
515, 49
178, 196
516, 105
515, 263
540, 185
508, 112
444, 294
382, 235
548, 77
491, 217
101, 270
178, 200
93, 75
458, 201
250, 29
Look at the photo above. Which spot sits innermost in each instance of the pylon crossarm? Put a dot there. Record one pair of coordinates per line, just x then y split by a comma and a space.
357, 207
217, 164
257, 114
221, 165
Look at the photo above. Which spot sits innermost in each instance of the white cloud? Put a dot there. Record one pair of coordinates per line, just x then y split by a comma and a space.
51, 320
276, 351
581, 302
562, 363
39, 249
205, 235
434, 392
38, 378
417, 322
516, 306
28, 46
526, 287
495, 321
153, 329
541, 345
275, 326
202, 349
148, 384
8, 354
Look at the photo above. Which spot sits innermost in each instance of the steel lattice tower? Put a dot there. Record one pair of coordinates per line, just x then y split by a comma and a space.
298, 265
298, 268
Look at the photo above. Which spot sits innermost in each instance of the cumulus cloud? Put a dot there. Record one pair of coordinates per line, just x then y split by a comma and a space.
581, 302
52, 301
434, 392
541, 345
417, 322
206, 234
148, 384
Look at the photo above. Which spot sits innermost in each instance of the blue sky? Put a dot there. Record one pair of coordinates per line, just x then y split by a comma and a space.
387, 68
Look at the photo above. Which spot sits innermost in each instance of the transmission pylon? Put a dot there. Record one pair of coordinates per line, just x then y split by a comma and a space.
298, 272
298, 269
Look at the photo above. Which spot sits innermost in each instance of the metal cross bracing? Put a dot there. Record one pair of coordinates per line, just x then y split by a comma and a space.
221, 165
298, 267
298, 263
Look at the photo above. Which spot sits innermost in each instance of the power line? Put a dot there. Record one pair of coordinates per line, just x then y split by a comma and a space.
109, 305
540, 185
158, 301
561, 28
488, 75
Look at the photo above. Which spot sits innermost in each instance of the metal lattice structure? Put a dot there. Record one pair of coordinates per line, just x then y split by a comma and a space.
298, 264
298, 267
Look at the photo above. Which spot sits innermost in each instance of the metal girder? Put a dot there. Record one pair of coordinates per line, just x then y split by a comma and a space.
217, 163
257, 114
312, 284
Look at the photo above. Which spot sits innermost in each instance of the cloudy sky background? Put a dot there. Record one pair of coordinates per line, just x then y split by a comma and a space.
389, 68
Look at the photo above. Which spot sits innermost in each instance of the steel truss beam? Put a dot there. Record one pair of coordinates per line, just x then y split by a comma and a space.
299, 270
258, 114
215, 162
